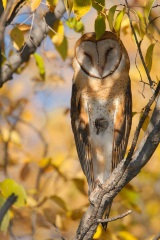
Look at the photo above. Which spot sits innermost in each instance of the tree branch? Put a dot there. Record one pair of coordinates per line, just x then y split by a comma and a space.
6, 206
16, 9
122, 175
3, 19
37, 35
138, 46
114, 218
157, 237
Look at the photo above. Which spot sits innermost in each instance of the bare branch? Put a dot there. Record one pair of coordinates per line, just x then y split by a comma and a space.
157, 237
144, 115
8, 203
16, 9
138, 46
37, 36
1, 8
114, 218
3, 19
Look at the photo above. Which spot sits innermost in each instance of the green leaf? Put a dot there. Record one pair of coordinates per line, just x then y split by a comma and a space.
98, 5
9, 186
80, 8
69, 5
5, 222
118, 21
147, 8
110, 16
40, 65
17, 37
99, 26
71, 22
59, 201
78, 26
142, 24
4, 3
149, 56
63, 49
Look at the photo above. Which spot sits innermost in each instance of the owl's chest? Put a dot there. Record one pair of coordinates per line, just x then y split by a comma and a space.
100, 110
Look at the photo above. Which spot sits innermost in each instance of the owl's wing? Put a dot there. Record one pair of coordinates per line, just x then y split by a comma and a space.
80, 126
122, 126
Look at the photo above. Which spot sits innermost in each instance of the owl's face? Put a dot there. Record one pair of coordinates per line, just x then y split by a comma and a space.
98, 58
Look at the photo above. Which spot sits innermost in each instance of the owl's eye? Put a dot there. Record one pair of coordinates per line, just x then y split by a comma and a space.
88, 56
108, 51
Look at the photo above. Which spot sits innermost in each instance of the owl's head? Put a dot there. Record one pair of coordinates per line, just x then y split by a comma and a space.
100, 58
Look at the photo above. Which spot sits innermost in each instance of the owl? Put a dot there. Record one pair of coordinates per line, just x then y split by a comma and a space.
101, 105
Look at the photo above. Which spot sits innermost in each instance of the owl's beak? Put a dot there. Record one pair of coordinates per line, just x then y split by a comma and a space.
100, 70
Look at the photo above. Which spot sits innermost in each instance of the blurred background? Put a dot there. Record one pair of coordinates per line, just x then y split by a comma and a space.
38, 150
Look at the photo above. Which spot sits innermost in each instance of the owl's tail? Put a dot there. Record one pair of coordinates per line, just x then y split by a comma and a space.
106, 215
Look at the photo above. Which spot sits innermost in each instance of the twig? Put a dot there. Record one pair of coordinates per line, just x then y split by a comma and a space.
114, 218
144, 115
37, 36
6, 206
16, 9
138, 46
3, 20
157, 237
40, 135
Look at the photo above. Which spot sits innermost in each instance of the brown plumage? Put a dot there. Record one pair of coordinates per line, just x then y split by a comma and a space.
101, 105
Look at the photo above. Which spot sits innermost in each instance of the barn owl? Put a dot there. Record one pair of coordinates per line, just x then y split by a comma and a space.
101, 105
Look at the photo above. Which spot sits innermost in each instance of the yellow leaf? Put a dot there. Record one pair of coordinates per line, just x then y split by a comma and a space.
146, 122
58, 159
4, 3
68, 4
24, 27
44, 162
60, 202
35, 4
58, 35
98, 232
17, 37
126, 235
157, 80
12, 136
9, 186
51, 4
31, 202
58, 221
80, 8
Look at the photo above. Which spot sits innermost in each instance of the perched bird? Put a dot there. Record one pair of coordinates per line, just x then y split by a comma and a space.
101, 105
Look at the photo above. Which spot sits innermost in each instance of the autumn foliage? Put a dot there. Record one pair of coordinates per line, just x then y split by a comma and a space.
38, 161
